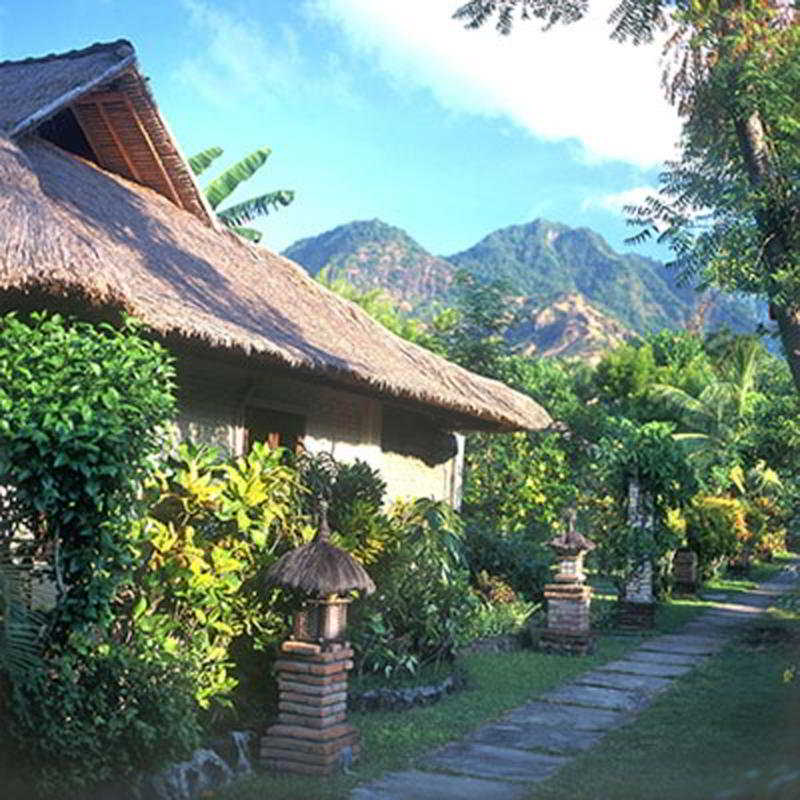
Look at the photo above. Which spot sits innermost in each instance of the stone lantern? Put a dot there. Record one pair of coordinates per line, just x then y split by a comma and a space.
312, 735
568, 598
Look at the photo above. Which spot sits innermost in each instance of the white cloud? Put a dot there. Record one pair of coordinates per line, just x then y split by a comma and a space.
239, 59
617, 201
568, 83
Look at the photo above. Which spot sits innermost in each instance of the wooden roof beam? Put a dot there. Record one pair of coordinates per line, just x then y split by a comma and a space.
174, 196
122, 151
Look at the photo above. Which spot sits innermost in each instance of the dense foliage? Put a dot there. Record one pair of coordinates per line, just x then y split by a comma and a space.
214, 526
83, 415
97, 713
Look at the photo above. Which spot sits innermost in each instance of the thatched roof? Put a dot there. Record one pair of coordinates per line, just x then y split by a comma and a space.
98, 95
571, 542
70, 228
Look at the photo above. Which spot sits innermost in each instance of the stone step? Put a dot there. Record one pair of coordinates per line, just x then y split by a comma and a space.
572, 718
416, 785
649, 684
654, 657
556, 738
684, 646
488, 761
596, 697
648, 668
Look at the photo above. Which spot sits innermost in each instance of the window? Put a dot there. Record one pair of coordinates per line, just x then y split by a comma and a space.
276, 428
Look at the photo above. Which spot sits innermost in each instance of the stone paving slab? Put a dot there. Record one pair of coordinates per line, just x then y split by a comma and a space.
648, 668
746, 609
650, 684
534, 736
596, 697
656, 657
415, 785
684, 648
704, 628
689, 639
572, 718
724, 618
487, 761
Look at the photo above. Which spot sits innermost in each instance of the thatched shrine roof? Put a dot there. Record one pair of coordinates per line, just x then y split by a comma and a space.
320, 569
72, 228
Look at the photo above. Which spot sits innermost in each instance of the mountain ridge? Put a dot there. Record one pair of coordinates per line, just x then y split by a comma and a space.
574, 272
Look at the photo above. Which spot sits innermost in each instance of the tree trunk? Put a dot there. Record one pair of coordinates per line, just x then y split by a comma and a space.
755, 150
788, 320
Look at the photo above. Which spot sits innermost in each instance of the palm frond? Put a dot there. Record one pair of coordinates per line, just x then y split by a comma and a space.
689, 412
248, 210
20, 626
202, 161
226, 183
248, 233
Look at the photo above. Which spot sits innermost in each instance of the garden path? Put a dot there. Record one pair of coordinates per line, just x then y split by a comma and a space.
502, 759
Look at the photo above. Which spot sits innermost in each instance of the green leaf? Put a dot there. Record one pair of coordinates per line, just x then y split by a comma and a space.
220, 188
248, 210
202, 161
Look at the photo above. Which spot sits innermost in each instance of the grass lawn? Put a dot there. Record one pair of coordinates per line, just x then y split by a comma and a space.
496, 683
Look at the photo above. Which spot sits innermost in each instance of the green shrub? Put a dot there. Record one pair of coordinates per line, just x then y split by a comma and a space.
766, 523
82, 413
94, 713
522, 563
716, 530
516, 484
423, 595
214, 527
496, 619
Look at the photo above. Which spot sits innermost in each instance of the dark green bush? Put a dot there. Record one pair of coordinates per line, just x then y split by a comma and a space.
94, 713
82, 412
349, 489
522, 563
423, 596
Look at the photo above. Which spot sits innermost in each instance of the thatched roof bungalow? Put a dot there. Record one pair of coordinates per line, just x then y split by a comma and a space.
101, 214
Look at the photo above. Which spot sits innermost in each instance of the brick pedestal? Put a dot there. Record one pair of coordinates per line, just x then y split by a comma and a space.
312, 735
567, 619
638, 616
637, 609
684, 572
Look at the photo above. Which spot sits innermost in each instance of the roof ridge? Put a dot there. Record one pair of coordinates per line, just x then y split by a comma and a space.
97, 47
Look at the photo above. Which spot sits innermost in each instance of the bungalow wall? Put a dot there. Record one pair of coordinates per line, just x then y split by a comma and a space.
222, 404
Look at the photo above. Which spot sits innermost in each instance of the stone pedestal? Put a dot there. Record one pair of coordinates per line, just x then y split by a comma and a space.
638, 608
312, 736
684, 572
567, 619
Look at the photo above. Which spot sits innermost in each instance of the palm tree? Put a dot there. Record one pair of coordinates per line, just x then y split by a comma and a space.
711, 423
235, 216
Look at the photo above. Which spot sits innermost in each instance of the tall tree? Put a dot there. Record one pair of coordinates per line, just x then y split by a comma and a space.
235, 216
730, 208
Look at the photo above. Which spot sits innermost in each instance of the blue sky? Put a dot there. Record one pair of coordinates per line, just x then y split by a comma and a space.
390, 109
